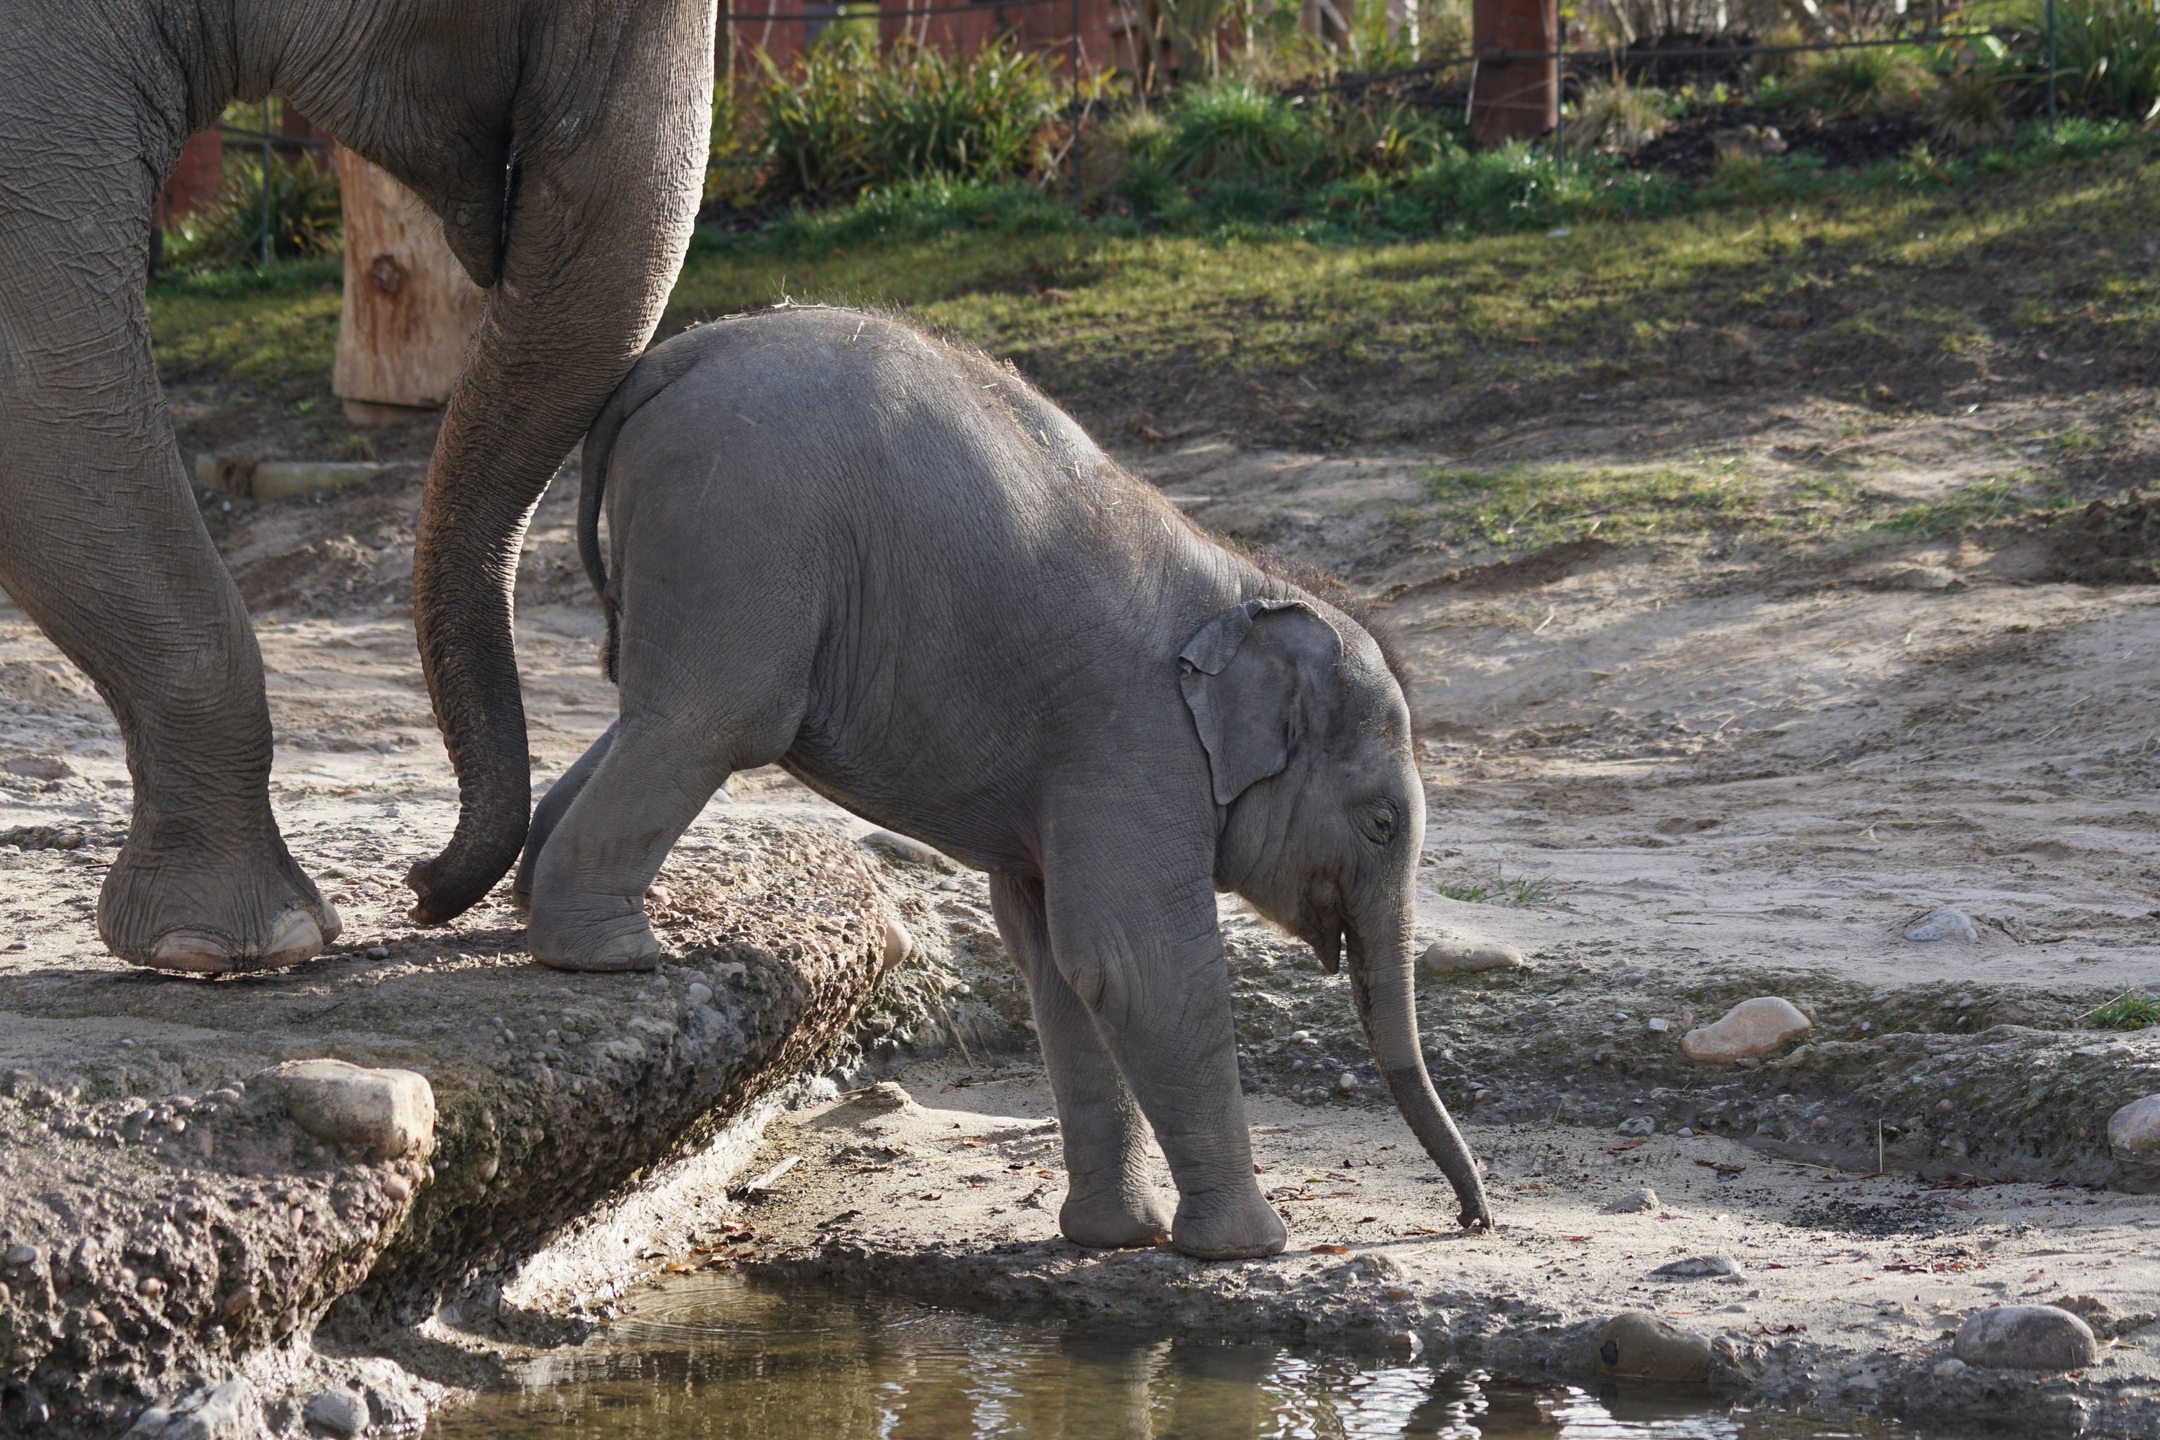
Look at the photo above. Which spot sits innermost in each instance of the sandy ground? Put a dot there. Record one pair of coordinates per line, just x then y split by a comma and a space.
1728, 774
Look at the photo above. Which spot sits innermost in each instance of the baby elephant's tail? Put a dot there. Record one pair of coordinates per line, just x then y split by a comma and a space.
659, 368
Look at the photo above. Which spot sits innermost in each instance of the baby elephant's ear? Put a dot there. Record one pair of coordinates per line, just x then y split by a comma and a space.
1245, 675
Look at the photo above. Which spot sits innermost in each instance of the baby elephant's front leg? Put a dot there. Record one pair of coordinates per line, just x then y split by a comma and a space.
588, 889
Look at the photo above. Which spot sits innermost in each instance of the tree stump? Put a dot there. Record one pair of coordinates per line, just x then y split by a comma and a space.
409, 306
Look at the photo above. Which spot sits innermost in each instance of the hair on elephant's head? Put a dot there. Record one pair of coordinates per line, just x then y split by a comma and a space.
1309, 752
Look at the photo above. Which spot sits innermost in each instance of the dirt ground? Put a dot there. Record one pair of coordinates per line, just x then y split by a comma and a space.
1705, 773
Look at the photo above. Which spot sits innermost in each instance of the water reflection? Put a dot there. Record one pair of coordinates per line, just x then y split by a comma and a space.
716, 1358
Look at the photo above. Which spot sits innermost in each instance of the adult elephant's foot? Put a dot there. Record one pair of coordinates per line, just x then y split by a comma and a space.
218, 922
1234, 1226
561, 939
1113, 1219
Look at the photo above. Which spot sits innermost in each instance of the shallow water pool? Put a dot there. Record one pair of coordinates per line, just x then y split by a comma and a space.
717, 1357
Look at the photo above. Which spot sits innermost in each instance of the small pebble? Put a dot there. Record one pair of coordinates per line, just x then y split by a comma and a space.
1753, 1027
699, 993
151, 1288
2026, 1337
22, 1254
1346, 1083
1638, 1125
1685, 1132
1950, 1369
1660, 1024
378, 952
1944, 924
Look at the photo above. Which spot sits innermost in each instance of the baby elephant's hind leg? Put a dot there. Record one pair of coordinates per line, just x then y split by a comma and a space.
1110, 1200
589, 883
549, 813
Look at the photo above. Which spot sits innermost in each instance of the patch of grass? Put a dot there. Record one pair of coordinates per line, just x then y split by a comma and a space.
1979, 503
263, 327
2131, 1010
1500, 890
1518, 505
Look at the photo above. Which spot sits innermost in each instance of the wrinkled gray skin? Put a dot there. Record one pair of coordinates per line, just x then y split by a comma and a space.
561, 141
908, 578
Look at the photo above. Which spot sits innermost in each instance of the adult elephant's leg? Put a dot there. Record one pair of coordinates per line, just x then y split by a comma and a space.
1132, 921
1109, 1199
103, 546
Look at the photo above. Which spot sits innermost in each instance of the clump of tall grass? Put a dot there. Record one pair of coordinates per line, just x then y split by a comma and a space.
303, 215
1617, 116
1873, 81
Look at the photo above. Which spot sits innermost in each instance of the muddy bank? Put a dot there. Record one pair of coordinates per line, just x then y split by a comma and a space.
1828, 1290
176, 1213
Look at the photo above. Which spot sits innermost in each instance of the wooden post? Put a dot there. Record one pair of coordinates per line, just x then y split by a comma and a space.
1514, 99
409, 307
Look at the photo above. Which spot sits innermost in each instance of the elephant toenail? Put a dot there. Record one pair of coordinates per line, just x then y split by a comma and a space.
296, 938
190, 950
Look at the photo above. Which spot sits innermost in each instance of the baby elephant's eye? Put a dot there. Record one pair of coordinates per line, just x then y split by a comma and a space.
1377, 820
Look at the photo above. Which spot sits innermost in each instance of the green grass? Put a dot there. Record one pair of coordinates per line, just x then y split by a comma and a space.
1500, 890
2131, 1010
1980, 503
268, 328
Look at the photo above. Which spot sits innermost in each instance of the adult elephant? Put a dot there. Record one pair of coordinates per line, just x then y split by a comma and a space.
561, 141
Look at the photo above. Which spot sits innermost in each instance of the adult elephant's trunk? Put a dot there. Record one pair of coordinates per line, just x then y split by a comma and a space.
1381, 970
595, 235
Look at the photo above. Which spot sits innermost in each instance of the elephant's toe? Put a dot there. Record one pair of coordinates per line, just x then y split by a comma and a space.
296, 936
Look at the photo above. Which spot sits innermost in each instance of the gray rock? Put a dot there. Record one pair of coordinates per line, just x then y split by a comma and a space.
1642, 1202
2134, 1131
1638, 1125
386, 1113
881, 1097
38, 767
22, 1255
1696, 1267
1753, 1027
1639, 1346
2026, 1337
1453, 954
213, 1412
340, 1412
1944, 924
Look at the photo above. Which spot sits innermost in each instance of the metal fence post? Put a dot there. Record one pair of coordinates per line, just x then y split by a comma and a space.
2051, 68
1559, 124
1081, 115
266, 182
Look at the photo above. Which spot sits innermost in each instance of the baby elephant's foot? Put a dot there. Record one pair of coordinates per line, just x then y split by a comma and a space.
1228, 1227
1113, 1220
597, 945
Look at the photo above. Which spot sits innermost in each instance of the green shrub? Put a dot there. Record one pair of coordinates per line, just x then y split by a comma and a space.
1872, 81
303, 214
851, 117
2107, 55
1234, 131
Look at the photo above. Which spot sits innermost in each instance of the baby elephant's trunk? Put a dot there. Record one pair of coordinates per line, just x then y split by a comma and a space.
1381, 966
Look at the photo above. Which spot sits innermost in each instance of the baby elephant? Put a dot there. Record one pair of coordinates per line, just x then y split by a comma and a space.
899, 572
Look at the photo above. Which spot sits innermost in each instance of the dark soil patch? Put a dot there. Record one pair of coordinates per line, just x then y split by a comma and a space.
1912, 1215
2106, 544
1692, 147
